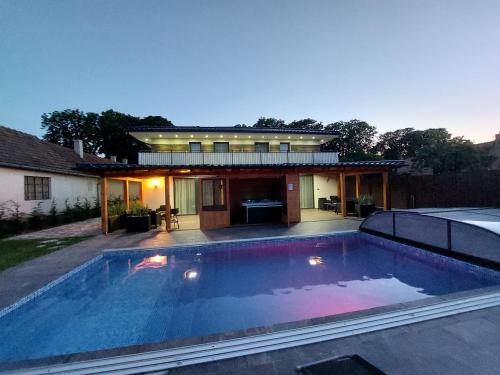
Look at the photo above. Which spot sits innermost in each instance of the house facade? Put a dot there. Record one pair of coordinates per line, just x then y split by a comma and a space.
235, 176
34, 174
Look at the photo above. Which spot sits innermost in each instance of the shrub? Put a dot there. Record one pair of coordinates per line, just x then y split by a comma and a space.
36, 220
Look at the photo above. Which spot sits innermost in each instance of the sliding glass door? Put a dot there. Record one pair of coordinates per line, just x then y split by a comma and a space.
185, 195
306, 191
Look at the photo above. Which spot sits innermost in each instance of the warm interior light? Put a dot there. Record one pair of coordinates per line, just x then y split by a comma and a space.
190, 274
155, 182
184, 170
314, 261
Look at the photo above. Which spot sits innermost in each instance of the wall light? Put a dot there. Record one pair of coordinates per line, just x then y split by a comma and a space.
155, 182
221, 136
176, 136
160, 135
191, 136
206, 136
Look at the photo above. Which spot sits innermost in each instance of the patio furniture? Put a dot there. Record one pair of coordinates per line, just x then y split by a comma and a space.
156, 218
348, 364
332, 206
322, 203
173, 217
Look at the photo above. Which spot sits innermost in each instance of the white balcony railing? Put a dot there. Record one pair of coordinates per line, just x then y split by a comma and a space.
236, 158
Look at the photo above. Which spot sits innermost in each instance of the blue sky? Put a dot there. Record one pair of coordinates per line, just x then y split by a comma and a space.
428, 63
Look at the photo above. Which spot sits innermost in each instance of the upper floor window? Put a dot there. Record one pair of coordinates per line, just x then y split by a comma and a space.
284, 147
214, 194
261, 147
194, 146
36, 188
221, 146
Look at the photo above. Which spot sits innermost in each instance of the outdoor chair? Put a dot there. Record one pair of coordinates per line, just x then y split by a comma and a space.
173, 217
322, 203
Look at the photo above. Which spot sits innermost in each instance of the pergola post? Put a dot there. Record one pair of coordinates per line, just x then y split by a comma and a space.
343, 203
358, 186
104, 205
168, 223
385, 189
126, 194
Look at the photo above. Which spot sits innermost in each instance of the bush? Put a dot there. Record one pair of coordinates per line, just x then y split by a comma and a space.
36, 220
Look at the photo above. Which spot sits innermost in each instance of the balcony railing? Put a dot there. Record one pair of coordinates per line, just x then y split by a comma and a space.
236, 158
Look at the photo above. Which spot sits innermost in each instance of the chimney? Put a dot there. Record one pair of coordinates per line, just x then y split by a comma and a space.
497, 137
124, 160
113, 157
78, 147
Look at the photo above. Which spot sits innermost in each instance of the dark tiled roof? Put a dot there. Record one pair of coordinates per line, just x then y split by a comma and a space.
227, 129
25, 151
364, 164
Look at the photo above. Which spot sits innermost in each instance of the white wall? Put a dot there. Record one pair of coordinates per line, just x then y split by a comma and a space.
324, 187
153, 190
62, 187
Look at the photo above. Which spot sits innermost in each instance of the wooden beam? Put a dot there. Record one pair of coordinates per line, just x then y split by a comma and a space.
343, 203
104, 205
358, 185
141, 192
385, 189
126, 194
168, 223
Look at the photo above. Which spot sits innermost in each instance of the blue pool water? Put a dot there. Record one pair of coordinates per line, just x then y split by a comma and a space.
128, 298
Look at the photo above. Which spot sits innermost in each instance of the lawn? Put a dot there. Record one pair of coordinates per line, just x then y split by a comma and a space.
13, 252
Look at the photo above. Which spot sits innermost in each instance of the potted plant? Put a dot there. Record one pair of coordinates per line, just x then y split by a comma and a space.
366, 205
139, 219
116, 211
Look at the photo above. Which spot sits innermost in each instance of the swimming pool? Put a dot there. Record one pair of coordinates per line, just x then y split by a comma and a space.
126, 298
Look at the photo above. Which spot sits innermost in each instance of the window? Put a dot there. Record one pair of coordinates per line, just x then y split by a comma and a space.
214, 195
221, 147
261, 147
36, 188
284, 147
194, 146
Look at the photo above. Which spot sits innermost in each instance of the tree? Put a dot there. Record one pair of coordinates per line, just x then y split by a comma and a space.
155, 121
115, 138
62, 127
355, 141
398, 144
451, 155
307, 123
269, 122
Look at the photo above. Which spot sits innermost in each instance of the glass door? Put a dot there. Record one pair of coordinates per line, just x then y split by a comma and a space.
185, 195
306, 191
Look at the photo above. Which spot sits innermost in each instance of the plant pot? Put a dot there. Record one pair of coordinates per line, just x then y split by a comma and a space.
138, 223
114, 223
366, 209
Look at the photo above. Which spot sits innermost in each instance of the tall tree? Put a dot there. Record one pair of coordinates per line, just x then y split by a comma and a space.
269, 122
355, 141
155, 121
307, 123
62, 127
115, 138
398, 144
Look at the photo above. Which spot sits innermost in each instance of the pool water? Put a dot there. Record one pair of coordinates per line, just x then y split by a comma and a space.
138, 297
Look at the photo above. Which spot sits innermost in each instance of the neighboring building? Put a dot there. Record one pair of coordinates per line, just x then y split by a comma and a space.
35, 173
231, 176
494, 151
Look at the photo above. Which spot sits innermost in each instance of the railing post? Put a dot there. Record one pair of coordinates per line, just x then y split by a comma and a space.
232, 157
394, 224
448, 228
313, 158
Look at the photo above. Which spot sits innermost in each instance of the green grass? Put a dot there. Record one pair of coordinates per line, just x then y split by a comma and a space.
13, 252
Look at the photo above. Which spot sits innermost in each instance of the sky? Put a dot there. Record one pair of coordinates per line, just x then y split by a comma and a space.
394, 64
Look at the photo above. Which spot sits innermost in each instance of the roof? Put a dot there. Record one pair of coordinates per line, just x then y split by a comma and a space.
123, 167
227, 129
25, 151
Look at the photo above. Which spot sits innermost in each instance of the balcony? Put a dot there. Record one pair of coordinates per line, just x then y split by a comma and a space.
236, 158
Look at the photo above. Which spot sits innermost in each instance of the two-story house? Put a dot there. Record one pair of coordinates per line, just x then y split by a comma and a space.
227, 176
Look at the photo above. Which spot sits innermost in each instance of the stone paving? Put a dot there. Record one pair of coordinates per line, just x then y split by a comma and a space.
91, 227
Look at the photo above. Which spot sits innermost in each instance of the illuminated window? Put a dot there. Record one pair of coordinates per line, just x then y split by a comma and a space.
36, 188
214, 195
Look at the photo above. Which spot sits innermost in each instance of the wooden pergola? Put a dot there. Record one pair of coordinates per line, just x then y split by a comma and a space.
138, 172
